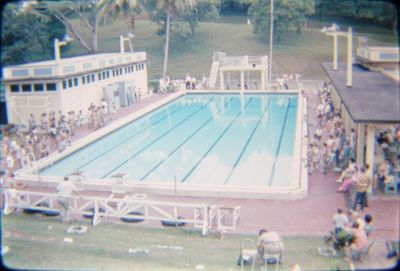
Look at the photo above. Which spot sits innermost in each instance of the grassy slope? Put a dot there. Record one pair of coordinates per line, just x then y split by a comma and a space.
105, 247
295, 53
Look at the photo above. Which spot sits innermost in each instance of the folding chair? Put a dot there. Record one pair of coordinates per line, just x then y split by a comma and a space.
247, 253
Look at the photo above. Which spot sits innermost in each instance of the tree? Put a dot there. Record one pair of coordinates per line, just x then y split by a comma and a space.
88, 13
164, 11
286, 13
126, 8
27, 36
204, 10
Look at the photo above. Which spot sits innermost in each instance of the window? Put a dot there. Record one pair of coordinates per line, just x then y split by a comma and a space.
93, 79
51, 87
88, 78
26, 88
99, 76
108, 74
142, 66
137, 67
126, 69
120, 71
70, 83
38, 87
83, 80
64, 83
113, 72
75, 82
104, 75
14, 88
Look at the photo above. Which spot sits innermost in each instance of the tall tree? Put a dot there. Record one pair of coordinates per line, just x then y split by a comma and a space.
165, 11
27, 36
88, 14
286, 13
126, 8
204, 10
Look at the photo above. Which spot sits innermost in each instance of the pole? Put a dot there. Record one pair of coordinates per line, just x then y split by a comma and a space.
335, 51
349, 81
121, 44
271, 32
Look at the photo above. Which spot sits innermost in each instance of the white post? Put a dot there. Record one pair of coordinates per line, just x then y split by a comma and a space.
271, 32
360, 143
221, 80
241, 81
262, 80
335, 51
121, 44
370, 149
56, 50
349, 81
57, 45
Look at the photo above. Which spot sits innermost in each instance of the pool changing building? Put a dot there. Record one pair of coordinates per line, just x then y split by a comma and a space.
73, 83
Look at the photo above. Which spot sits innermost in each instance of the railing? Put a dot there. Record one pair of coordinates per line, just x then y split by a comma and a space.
135, 206
71, 65
379, 54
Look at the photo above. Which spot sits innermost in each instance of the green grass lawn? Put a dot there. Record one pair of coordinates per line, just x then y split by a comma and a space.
36, 242
294, 53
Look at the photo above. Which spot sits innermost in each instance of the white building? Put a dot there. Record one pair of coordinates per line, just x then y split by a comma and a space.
73, 83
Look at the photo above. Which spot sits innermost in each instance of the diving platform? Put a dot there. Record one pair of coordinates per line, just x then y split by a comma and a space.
239, 72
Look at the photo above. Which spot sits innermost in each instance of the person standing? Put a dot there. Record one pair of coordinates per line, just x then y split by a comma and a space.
66, 189
340, 221
362, 186
188, 81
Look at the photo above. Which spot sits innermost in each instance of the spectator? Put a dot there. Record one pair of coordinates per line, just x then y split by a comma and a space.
340, 221
367, 225
362, 186
359, 243
66, 189
269, 242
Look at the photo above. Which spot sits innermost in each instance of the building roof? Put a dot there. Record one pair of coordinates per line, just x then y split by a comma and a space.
70, 66
373, 98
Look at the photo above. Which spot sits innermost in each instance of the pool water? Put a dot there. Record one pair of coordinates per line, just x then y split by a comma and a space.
201, 139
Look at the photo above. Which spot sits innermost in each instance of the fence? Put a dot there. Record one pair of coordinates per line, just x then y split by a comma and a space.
135, 206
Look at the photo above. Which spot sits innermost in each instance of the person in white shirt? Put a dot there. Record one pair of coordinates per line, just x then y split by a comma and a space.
340, 221
66, 189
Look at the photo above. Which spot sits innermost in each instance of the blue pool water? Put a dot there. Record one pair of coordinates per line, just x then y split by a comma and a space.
210, 139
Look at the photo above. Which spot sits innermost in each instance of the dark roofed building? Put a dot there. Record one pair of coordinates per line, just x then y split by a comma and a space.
370, 105
373, 97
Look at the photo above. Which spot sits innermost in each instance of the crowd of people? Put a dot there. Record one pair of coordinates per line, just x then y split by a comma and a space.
354, 231
52, 131
189, 83
329, 148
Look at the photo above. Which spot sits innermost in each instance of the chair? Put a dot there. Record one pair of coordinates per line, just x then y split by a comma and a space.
268, 256
247, 252
366, 251
363, 254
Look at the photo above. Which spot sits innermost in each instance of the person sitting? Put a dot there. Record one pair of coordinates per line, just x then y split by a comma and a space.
359, 244
269, 242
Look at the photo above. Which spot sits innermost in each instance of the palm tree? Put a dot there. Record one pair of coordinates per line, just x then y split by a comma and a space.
171, 8
126, 8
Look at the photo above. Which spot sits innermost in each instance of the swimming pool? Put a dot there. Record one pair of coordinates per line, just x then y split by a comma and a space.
215, 140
